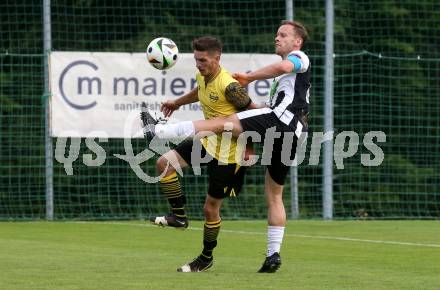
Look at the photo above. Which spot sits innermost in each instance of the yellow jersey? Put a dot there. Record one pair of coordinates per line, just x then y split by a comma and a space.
214, 104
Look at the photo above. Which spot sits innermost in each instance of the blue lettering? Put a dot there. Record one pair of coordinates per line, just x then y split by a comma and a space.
150, 88
163, 83
177, 84
262, 87
193, 83
61, 84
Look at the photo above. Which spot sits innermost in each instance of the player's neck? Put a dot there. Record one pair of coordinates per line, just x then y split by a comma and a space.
212, 76
287, 54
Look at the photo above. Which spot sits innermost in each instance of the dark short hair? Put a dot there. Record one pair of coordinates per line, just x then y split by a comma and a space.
299, 29
207, 43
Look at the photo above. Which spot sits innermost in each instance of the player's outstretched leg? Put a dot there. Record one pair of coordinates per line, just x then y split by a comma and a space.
271, 264
199, 264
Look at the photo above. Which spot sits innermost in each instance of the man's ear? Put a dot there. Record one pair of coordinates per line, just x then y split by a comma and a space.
299, 41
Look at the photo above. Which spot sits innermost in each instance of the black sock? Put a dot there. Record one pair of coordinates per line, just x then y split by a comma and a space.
170, 187
210, 234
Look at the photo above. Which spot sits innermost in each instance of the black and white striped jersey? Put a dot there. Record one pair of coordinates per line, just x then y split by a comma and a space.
290, 92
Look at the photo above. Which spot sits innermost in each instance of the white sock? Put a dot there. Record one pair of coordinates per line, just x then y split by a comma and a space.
168, 131
274, 239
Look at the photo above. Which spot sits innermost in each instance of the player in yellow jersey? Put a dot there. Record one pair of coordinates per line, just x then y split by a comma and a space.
219, 95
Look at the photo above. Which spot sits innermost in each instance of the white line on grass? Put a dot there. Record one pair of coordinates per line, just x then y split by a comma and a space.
288, 235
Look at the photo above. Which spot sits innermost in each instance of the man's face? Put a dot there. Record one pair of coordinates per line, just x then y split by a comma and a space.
206, 62
286, 40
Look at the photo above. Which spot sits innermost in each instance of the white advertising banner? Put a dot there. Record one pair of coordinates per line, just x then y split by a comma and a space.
99, 94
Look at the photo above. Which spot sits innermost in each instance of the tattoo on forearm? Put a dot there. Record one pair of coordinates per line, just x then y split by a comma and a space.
237, 95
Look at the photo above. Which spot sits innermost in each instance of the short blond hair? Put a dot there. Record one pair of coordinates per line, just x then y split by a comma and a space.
299, 29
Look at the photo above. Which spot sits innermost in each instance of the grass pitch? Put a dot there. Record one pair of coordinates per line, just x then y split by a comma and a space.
136, 255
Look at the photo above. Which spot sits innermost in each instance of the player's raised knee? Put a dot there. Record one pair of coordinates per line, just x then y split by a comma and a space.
161, 165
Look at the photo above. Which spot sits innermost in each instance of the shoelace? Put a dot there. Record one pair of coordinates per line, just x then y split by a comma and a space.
160, 120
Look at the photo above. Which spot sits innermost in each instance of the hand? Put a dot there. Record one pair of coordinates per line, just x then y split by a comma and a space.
168, 107
242, 78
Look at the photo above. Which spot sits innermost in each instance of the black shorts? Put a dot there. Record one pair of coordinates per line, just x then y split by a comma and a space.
225, 180
259, 121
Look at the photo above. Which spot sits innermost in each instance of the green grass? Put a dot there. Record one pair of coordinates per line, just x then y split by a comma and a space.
135, 255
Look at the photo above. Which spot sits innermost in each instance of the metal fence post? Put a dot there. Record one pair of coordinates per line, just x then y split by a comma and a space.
48, 140
327, 178
294, 209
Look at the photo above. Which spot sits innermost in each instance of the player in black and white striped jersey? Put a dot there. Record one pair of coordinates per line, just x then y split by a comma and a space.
287, 111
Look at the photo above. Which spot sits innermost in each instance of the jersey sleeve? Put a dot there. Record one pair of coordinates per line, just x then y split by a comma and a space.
234, 92
300, 61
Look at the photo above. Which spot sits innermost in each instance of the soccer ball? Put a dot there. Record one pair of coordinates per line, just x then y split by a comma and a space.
162, 53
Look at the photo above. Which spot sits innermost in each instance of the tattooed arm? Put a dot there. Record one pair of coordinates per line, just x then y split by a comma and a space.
238, 96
